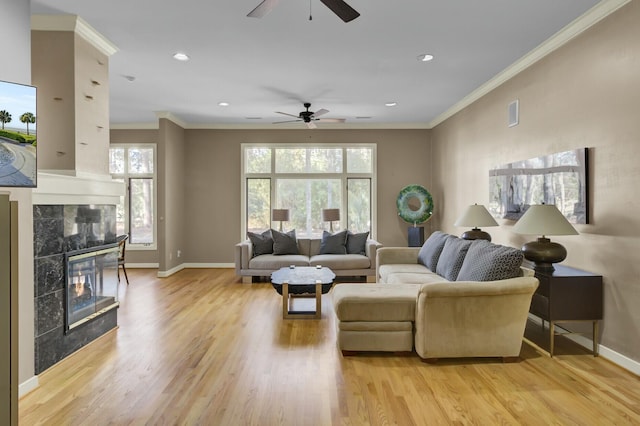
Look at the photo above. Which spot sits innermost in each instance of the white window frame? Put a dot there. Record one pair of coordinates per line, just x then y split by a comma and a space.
125, 178
344, 176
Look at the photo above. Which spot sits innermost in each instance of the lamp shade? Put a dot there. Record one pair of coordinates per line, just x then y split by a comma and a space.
280, 214
330, 215
476, 216
544, 219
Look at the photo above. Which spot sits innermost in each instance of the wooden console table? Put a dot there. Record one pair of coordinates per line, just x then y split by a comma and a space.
568, 294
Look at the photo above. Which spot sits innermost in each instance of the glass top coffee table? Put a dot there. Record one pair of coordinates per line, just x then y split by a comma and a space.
302, 281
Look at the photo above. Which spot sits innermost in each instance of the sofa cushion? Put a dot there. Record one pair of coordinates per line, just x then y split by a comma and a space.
341, 262
375, 302
431, 250
414, 278
391, 268
486, 261
274, 262
262, 243
284, 243
452, 257
333, 243
357, 243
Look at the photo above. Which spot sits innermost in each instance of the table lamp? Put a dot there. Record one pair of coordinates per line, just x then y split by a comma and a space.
330, 215
476, 216
281, 215
544, 219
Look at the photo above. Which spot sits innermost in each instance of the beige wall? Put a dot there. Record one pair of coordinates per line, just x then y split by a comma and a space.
171, 195
213, 181
91, 73
52, 56
586, 94
16, 67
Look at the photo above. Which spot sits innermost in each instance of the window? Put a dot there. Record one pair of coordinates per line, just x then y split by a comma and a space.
306, 180
135, 215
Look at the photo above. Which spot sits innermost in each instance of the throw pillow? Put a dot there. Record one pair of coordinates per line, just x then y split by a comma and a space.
333, 243
262, 243
431, 250
284, 243
357, 243
452, 257
486, 261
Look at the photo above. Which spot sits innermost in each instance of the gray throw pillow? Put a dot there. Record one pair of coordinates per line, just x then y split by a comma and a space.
357, 243
262, 243
452, 257
284, 243
333, 243
431, 250
486, 261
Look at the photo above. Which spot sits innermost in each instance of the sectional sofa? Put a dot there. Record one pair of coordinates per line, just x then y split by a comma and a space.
345, 253
450, 298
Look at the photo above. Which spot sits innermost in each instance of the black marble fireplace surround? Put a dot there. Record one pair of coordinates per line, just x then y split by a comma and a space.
59, 229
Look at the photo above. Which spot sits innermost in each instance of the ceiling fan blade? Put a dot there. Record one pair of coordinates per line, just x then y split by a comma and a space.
320, 112
263, 8
287, 121
342, 9
285, 113
311, 125
331, 120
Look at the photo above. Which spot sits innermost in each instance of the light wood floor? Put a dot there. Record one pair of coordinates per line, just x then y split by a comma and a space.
199, 348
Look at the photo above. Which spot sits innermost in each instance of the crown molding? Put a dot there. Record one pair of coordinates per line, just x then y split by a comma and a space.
77, 25
562, 37
172, 117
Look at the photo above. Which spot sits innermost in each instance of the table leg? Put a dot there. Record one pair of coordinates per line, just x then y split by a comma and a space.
551, 337
285, 299
595, 338
318, 299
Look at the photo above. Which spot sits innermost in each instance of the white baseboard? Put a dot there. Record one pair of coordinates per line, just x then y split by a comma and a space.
142, 265
210, 265
27, 386
603, 351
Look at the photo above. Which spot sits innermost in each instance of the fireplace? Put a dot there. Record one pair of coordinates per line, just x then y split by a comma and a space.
91, 284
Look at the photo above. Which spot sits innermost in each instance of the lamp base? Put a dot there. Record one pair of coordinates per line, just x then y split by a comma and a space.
543, 253
476, 234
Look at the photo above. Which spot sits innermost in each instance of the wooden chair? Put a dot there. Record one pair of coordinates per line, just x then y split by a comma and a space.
122, 239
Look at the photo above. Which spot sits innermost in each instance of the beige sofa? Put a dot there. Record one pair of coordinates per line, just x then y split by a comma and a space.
351, 265
413, 307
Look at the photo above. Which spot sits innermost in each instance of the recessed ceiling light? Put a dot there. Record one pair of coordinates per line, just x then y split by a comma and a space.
130, 78
179, 56
391, 104
425, 57
223, 104
253, 118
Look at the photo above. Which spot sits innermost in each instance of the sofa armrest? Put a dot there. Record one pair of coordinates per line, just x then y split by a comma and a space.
473, 319
371, 250
519, 285
397, 255
243, 252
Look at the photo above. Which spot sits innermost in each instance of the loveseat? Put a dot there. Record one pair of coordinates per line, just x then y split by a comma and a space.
345, 253
450, 298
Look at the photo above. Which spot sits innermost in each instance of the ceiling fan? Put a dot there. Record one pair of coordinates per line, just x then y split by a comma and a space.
309, 117
339, 7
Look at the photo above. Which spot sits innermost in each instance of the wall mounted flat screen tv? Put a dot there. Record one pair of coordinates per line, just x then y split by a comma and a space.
18, 135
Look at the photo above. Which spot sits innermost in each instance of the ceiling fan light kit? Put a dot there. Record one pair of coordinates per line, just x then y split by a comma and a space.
339, 7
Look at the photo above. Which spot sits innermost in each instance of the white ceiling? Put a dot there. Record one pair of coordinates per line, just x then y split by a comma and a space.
280, 61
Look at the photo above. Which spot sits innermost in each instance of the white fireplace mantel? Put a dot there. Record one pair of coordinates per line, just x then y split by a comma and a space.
70, 187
